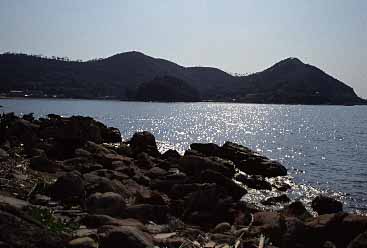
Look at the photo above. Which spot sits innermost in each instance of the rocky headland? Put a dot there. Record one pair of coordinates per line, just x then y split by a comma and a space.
73, 182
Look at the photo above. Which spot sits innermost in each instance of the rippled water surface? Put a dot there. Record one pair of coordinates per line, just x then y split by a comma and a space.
323, 147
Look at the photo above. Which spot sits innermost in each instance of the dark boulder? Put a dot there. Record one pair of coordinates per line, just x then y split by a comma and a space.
148, 212
235, 152
3, 155
296, 209
359, 242
69, 188
258, 165
171, 155
108, 203
208, 206
195, 165
208, 149
253, 182
144, 142
326, 205
339, 228
126, 236
20, 230
231, 188
42, 163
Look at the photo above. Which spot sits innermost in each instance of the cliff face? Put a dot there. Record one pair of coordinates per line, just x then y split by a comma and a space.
121, 75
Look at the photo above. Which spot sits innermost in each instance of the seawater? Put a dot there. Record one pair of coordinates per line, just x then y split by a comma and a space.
323, 147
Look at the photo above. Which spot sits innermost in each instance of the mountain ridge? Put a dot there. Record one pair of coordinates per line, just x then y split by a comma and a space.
290, 81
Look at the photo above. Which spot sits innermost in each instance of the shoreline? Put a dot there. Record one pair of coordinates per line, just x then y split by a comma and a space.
169, 102
78, 169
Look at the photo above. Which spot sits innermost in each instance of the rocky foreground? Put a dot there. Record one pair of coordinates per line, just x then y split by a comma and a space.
72, 182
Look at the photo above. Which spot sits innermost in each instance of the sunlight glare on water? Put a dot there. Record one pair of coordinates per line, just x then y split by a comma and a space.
323, 147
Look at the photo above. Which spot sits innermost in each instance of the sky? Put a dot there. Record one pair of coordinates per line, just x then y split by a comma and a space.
241, 36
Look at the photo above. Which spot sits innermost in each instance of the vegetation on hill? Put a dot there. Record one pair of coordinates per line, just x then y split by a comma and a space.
122, 75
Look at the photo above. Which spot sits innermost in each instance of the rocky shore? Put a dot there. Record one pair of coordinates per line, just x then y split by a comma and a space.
73, 182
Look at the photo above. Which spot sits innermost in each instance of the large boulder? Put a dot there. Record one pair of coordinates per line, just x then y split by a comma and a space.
126, 236
359, 242
258, 165
253, 182
235, 152
339, 228
296, 209
326, 205
144, 142
20, 230
108, 203
195, 165
208, 149
3, 155
208, 206
148, 212
231, 188
69, 188
95, 183
42, 163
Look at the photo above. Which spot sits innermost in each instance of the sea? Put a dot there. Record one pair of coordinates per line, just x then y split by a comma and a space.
324, 148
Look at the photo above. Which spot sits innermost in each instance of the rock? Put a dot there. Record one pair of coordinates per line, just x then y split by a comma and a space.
181, 190
325, 227
258, 165
40, 199
108, 203
156, 172
42, 163
98, 220
96, 148
195, 165
151, 197
231, 188
111, 236
171, 154
326, 205
266, 218
275, 200
209, 149
328, 244
94, 183
124, 150
111, 135
296, 209
208, 206
359, 242
144, 142
19, 230
110, 160
222, 227
82, 153
148, 212
3, 154
294, 234
69, 188
235, 152
84, 242
253, 182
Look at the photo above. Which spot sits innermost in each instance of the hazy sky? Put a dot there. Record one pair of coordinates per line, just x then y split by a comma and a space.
236, 36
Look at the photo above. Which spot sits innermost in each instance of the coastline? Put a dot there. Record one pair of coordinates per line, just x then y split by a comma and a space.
202, 101
187, 197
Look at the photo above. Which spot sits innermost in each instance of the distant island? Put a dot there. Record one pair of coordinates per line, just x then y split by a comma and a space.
138, 77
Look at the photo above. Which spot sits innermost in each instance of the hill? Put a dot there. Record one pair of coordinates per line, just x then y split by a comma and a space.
167, 89
121, 75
